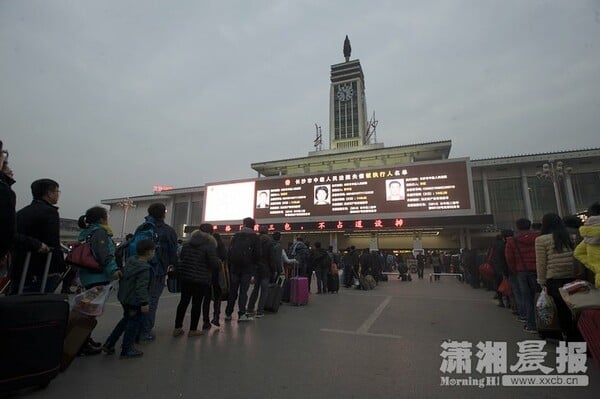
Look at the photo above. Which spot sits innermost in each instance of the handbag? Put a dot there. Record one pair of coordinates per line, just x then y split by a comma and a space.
91, 302
82, 256
504, 287
173, 283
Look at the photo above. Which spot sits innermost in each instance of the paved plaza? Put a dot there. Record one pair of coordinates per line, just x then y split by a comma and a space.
384, 343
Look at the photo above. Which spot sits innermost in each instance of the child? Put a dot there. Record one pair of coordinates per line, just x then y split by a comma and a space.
588, 250
134, 296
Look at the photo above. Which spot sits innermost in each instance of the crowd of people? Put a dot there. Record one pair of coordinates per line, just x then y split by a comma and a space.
540, 257
531, 259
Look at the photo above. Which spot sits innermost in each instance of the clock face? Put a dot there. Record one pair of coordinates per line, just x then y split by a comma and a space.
345, 92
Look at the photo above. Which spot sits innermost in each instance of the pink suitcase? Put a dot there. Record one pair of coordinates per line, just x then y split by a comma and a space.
299, 291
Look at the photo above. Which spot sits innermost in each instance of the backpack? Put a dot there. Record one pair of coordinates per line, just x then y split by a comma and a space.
300, 254
242, 249
146, 231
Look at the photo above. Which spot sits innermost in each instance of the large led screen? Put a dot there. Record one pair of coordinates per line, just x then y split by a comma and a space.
418, 189
229, 201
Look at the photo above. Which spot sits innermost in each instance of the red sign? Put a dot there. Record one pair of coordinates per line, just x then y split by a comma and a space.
160, 189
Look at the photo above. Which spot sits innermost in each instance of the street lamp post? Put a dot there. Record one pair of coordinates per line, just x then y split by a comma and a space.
125, 204
556, 172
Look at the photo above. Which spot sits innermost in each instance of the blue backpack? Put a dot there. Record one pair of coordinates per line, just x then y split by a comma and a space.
146, 231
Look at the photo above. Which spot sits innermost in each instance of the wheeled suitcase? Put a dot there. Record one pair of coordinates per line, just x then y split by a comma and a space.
299, 291
32, 333
274, 295
333, 283
286, 290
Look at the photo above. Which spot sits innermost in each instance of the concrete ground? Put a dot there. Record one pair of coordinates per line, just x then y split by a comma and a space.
383, 343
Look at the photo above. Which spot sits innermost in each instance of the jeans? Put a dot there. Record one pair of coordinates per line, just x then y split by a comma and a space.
157, 285
200, 295
528, 286
322, 279
262, 285
517, 295
420, 270
239, 282
130, 325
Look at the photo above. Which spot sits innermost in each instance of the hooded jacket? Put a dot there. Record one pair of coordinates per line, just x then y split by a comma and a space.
198, 259
588, 250
520, 251
133, 286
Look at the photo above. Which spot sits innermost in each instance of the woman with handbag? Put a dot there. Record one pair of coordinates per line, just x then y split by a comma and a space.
555, 267
98, 234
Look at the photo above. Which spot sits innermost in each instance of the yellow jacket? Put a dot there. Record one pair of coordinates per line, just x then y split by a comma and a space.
589, 254
551, 264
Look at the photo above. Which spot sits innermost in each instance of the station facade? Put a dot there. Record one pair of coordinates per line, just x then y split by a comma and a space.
344, 195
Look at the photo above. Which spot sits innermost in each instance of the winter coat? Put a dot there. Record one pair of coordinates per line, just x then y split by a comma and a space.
37, 223
198, 259
134, 284
551, 264
250, 265
8, 201
588, 250
265, 262
520, 251
103, 248
498, 260
319, 259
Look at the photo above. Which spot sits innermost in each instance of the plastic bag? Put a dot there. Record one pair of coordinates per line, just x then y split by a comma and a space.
91, 302
545, 310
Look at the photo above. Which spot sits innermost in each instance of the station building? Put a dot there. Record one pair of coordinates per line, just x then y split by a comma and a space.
445, 203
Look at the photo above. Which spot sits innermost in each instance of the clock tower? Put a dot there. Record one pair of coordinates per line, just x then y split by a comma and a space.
347, 104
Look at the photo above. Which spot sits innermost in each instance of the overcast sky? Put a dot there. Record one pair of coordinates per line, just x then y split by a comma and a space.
112, 97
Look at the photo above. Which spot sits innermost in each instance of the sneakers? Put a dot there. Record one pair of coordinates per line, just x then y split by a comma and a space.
93, 343
195, 333
89, 350
215, 322
131, 353
245, 317
259, 315
521, 320
250, 314
206, 326
530, 330
177, 332
108, 350
227, 317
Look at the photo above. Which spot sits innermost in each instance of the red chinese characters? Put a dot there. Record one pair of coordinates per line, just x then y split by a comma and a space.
398, 222
358, 224
378, 224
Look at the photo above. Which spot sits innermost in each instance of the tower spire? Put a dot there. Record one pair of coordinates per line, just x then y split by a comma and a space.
347, 49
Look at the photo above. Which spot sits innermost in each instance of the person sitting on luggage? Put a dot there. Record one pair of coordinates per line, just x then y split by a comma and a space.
134, 295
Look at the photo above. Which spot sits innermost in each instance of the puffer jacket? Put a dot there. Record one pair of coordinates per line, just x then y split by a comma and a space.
198, 259
520, 251
588, 250
133, 286
551, 264
103, 247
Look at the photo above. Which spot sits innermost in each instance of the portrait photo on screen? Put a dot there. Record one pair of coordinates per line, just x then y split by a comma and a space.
323, 194
262, 200
394, 190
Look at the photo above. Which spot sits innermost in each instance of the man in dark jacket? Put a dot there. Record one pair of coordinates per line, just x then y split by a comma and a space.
520, 257
244, 254
321, 263
166, 255
38, 228
7, 208
217, 292
351, 264
264, 274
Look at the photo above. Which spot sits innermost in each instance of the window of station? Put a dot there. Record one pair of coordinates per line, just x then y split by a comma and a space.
506, 198
179, 217
479, 197
542, 197
196, 218
586, 188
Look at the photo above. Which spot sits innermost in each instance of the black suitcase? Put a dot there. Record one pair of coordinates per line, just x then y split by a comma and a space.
286, 290
333, 283
274, 295
32, 333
